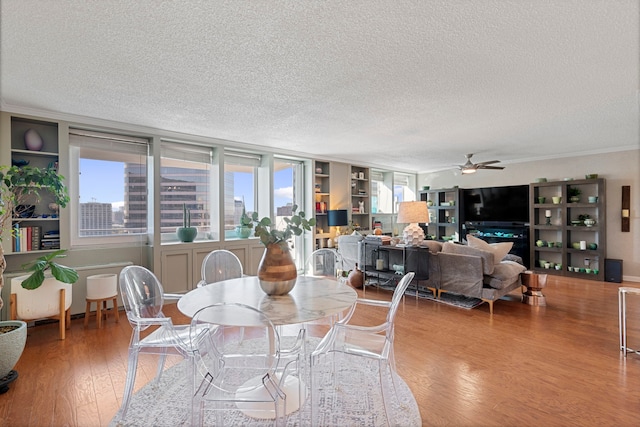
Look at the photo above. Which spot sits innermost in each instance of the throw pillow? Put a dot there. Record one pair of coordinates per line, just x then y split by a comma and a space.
499, 250
504, 274
433, 245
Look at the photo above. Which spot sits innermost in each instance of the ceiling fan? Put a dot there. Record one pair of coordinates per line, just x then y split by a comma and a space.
470, 167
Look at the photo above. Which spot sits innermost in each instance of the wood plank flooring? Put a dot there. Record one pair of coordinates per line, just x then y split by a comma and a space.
558, 365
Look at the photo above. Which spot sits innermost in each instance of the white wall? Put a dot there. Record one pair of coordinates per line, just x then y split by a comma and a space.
618, 168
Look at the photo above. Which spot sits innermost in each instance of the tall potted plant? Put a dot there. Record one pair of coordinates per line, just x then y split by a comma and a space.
17, 186
277, 272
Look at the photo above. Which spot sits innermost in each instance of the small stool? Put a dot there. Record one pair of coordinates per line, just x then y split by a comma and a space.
622, 317
534, 283
100, 289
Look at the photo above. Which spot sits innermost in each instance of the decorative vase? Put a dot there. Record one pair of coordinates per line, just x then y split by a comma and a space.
187, 234
356, 278
277, 272
589, 222
574, 199
32, 140
243, 232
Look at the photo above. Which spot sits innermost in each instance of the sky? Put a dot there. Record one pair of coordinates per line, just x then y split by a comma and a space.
94, 173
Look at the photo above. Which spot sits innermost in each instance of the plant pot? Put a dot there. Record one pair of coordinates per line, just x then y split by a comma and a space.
574, 199
11, 345
186, 234
243, 232
277, 272
43, 302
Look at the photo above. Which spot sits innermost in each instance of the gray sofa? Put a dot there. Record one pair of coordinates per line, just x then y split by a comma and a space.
472, 272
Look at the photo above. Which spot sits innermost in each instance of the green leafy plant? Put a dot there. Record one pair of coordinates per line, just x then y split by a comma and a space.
46, 262
18, 185
268, 234
573, 191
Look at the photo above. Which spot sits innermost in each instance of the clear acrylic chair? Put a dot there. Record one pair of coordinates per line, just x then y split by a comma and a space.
323, 263
219, 265
372, 342
239, 377
143, 298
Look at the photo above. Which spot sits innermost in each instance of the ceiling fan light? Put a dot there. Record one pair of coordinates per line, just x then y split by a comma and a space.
467, 171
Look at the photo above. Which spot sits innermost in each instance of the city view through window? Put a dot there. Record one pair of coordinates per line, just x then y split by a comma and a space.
113, 197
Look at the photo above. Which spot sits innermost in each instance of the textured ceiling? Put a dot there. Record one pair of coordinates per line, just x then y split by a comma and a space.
410, 85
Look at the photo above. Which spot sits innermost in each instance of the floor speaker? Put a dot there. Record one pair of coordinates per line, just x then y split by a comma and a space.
613, 270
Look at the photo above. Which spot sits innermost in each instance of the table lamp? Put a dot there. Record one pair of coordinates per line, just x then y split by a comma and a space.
413, 213
337, 218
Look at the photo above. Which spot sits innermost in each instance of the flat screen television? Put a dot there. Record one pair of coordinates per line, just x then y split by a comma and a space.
496, 204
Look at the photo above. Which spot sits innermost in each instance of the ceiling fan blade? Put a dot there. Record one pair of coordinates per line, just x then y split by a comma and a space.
490, 167
488, 162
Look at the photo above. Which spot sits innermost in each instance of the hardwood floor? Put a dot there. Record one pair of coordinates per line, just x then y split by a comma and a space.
558, 365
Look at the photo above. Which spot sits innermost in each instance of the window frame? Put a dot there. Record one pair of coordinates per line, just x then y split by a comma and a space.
96, 140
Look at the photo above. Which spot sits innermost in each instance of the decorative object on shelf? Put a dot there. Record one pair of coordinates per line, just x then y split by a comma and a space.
17, 185
361, 207
19, 162
360, 175
541, 199
541, 180
318, 170
591, 176
186, 233
589, 222
32, 140
547, 215
425, 187
574, 194
277, 272
625, 225
413, 213
593, 199
556, 200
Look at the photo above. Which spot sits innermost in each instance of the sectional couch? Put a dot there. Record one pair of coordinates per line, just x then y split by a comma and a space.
477, 269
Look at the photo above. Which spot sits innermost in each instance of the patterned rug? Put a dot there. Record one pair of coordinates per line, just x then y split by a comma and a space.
356, 402
449, 299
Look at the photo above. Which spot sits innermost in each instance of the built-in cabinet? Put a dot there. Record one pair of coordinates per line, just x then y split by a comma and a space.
360, 198
568, 231
34, 143
322, 195
444, 213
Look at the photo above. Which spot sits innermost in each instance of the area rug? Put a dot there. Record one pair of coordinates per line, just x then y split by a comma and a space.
455, 300
357, 402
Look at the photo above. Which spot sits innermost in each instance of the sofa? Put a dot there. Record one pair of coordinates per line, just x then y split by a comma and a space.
477, 269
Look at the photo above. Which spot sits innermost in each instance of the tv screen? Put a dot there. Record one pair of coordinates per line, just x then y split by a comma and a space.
496, 204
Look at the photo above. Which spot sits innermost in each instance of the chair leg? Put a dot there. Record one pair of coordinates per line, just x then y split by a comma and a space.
130, 381
99, 305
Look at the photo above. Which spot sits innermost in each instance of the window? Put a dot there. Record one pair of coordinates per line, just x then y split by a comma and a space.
288, 190
240, 175
403, 188
109, 197
381, 192
186, 184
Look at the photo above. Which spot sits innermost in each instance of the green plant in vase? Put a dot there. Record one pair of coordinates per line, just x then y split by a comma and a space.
246, 224
277, 272
186, 233
574, 194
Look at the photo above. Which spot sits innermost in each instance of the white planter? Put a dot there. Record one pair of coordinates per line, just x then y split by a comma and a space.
41, 302
11, 346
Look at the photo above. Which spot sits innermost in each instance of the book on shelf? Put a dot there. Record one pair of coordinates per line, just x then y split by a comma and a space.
26, 239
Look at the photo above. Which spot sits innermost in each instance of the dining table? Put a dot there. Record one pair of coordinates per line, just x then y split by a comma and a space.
312, 298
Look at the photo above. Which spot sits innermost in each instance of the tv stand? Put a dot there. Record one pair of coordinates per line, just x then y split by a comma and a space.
497, 231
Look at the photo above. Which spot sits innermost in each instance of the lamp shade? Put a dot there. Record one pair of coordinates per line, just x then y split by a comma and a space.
413, 212
337, 218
